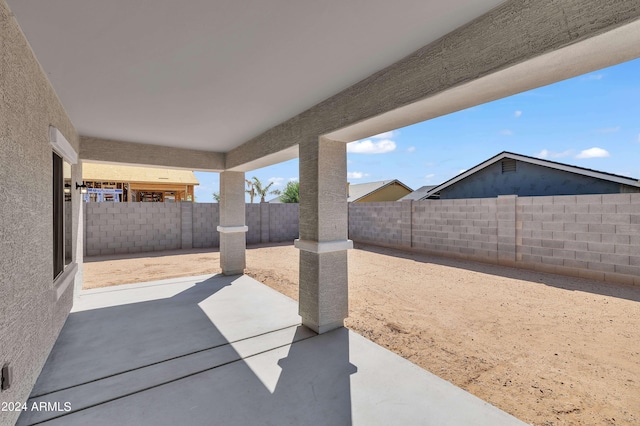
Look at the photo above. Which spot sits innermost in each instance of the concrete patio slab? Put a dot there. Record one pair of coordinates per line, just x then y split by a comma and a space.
229, 350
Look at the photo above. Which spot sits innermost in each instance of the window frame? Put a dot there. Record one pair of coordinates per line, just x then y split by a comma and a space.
63, 272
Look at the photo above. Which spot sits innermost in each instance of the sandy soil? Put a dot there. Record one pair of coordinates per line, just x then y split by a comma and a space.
550, 350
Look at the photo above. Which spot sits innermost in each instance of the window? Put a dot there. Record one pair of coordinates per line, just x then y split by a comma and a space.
58, 216
63, 156
61, 214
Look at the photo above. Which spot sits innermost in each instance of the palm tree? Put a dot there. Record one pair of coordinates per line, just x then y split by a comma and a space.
291, 193
251, 190
216, 196
259, 190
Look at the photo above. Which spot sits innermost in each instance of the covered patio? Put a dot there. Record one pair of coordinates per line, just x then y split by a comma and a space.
231, 87
229, 350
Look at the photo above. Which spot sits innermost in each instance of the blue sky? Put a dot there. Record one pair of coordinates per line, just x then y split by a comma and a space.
590, 121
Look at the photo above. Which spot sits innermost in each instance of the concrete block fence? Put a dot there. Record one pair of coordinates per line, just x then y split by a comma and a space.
117, 228
588, 236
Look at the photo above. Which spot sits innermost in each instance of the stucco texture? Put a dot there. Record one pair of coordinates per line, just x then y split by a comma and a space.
30, 316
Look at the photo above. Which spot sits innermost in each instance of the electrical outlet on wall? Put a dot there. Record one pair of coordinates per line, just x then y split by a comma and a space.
5, 377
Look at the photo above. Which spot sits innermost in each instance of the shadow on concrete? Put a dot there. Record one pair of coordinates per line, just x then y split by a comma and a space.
230, 351
559, 281
226, 350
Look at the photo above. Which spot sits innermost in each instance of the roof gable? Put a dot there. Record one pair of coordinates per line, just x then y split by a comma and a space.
361, 190
625, 180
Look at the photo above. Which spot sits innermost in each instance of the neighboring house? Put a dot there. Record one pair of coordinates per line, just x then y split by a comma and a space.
515, 174
385, 190
108, 182
418, 194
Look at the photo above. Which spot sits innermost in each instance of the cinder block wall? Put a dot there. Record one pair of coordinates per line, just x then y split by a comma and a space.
283, 222
589, 236
457, 227
206, 218
252, 220
112, 228
116, 228
377, 223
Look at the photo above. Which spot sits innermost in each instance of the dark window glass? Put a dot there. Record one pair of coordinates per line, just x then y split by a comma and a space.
58, 216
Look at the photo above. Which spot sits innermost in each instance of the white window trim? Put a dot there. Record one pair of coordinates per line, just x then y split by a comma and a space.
62, 146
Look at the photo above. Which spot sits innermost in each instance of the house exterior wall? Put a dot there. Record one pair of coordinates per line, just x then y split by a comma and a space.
528, 180
31, 312
117, 228
388, 193
587, 236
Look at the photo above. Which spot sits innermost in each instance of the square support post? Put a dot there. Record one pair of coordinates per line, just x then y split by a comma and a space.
323, 243
232, 228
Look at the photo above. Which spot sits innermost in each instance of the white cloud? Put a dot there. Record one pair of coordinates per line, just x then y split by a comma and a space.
385, 135
356, 175
593, 77
462, 171
545, 153
277, 181
506, 132
293, 179
369, 147
594, 152
517, 114
429, 176
608, 130
411, 149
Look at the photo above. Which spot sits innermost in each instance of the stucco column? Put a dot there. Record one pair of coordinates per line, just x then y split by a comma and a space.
232, 228
323, 243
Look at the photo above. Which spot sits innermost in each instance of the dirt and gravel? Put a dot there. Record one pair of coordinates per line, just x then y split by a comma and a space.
551, 350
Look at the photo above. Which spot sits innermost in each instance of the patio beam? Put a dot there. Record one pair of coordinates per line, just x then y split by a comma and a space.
232, 228
323, 243
139, 154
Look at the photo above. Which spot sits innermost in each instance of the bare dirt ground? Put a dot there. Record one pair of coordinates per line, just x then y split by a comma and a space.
551, 350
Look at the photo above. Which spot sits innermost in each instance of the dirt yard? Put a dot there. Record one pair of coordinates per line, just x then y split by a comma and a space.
550, 350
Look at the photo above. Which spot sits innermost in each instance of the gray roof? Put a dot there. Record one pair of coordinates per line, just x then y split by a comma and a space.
419, 193
541, 162
361, 190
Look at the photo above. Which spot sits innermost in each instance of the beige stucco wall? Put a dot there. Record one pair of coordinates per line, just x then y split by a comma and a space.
389, 193
31, 314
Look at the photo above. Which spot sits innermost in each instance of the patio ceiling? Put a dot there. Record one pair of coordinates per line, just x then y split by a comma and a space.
210, 75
